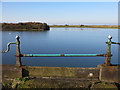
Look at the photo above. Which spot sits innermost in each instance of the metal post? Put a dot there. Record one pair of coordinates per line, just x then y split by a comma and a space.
108, 54
18, 63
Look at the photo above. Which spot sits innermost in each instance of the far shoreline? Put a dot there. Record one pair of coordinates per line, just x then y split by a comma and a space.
37, 26
87, 26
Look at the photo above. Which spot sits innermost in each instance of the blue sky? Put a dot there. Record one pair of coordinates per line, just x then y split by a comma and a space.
61, 12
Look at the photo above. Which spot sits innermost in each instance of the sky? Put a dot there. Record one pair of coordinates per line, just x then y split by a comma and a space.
61, 12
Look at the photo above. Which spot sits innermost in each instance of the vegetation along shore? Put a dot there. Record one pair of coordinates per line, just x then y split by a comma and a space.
28, 26
37, 26
87, 26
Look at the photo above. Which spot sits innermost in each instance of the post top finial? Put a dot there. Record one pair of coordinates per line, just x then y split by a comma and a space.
109, 37
17, 37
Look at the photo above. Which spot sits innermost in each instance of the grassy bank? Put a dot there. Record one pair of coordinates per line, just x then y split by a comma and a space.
87, 26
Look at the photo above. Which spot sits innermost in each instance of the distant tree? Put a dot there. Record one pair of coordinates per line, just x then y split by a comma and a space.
81, 25
66, 25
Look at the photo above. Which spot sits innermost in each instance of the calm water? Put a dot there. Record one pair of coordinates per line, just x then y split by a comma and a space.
61, 40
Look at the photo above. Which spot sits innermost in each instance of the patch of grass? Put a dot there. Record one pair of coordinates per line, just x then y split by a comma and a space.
103, 83
23, 79
27, 84
7, 85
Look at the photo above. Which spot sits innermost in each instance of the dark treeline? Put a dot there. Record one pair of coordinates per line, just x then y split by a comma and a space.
26, 26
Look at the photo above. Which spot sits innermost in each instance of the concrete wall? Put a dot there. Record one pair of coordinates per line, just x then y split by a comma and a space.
102, 73
83, 73
10, 72
110, 73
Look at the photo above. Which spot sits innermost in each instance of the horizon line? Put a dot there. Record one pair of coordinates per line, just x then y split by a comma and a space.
59, 23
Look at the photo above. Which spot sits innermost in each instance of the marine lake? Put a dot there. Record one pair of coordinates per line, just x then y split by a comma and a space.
61, 41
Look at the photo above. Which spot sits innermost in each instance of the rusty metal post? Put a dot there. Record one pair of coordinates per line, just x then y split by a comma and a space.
18, 63
108, 54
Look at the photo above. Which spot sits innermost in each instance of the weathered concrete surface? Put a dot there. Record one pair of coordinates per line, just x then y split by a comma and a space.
59, 77
58, 82
83, 73
109, 73
10, 72
104, 85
